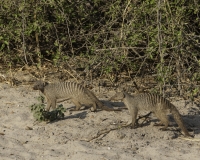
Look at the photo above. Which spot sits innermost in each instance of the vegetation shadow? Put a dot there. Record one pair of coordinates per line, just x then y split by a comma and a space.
80, 115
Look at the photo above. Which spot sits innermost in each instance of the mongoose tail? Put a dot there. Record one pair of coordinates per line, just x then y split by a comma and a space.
179, 120
99, 103
153, 103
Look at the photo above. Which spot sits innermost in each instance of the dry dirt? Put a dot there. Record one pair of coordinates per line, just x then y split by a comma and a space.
76, 136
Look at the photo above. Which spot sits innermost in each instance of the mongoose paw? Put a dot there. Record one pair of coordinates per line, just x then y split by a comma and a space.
93, 110
46, 110
158, 124
163, 129
74, 109
189, 136
133, 126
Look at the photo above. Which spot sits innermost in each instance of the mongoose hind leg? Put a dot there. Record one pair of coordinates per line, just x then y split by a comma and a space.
77, 105
164, 120
134, 113
93, 107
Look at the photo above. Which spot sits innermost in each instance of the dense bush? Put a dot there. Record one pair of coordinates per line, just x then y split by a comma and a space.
40, 114
138, 37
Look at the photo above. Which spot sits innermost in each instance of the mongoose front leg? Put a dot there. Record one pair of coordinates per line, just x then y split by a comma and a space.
47, 108
134, 113
50, 103
163, 118
53, 104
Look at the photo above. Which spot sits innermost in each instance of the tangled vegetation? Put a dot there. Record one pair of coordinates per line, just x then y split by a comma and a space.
146, 37
40, 114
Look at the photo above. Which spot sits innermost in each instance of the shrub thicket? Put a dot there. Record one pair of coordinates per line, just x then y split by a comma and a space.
139, 37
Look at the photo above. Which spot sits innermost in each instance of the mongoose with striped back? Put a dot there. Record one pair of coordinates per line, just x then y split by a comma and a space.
151, 102
75, 92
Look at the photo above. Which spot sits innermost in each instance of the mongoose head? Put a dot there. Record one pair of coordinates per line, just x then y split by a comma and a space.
118, 96
39, 85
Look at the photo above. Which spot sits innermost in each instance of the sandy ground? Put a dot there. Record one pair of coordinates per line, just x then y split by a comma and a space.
75, 137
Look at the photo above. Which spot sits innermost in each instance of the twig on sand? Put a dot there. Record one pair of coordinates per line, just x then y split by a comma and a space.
105, 132
145, 118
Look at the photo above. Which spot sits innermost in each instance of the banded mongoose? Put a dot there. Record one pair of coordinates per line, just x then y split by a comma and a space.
151, 102
78, 94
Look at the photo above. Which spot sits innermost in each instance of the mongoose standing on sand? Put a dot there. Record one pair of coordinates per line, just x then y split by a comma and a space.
151, 102
78, 94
